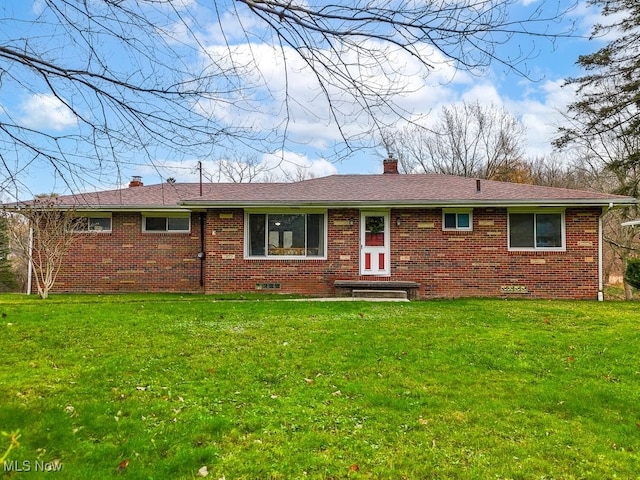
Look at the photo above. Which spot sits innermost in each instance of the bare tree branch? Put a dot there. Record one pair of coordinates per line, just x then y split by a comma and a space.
138, 81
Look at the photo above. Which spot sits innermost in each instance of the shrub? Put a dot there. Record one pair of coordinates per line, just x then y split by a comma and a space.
632, 272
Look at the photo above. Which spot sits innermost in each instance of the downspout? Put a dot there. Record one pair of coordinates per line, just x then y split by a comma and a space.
201, 254
30, 262
600, 254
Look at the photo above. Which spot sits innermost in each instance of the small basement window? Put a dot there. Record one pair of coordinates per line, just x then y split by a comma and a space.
172, 223
457, 220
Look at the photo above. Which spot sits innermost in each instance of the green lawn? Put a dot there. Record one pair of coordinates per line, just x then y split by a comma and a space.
275, 389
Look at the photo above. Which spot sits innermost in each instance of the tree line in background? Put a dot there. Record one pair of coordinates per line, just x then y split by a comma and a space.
597, 149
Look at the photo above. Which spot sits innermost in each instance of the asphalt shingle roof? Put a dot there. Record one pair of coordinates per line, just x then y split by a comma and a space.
337, 190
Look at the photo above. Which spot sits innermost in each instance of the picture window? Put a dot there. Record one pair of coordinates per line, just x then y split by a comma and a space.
274, 235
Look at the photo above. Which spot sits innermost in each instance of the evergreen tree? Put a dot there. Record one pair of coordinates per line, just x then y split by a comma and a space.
609, 92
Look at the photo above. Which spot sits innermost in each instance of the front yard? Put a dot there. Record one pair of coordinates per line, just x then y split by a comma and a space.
169, 386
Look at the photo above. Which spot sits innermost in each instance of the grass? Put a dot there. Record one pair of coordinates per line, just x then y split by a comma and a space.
468, 389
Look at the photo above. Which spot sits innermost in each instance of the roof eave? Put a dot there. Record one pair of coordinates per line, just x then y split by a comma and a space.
108, 208
200, 205
611, 203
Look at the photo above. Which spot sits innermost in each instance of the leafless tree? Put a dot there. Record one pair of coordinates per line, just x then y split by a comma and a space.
42, 235
135, 80
237, 168
298, 174
570, 169
469, 140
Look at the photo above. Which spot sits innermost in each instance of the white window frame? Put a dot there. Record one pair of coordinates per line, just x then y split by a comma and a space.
283, 211
535, 212
89, 216
456, 211
167, 216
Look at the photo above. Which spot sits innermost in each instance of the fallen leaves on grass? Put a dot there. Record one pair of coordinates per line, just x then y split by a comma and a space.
122, 466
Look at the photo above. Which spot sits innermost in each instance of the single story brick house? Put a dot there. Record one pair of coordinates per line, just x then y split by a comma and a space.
432, 235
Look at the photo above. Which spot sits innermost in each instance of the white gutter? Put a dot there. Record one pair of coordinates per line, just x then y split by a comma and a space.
30, 263
600, 253
556, 203
600, 266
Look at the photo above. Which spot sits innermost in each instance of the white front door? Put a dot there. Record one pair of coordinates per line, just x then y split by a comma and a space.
374, 243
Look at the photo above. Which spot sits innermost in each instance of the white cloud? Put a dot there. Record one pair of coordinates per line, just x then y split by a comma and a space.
541, 114
38, 6
293, 165
45, 111
280, 93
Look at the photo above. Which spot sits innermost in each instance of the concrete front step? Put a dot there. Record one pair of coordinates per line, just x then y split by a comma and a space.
377, 285
383, 294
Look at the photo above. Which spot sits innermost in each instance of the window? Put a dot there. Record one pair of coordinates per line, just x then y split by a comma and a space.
94, 223
173, 223
536, 231
286, 234
457, 220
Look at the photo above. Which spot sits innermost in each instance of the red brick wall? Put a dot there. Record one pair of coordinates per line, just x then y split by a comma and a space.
446, 264
478, 263
127, 260
228, 271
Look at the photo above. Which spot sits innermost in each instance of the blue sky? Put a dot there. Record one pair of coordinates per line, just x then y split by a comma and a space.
535, 100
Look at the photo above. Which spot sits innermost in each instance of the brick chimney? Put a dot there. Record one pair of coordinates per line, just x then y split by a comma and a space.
390, 165
136, 181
